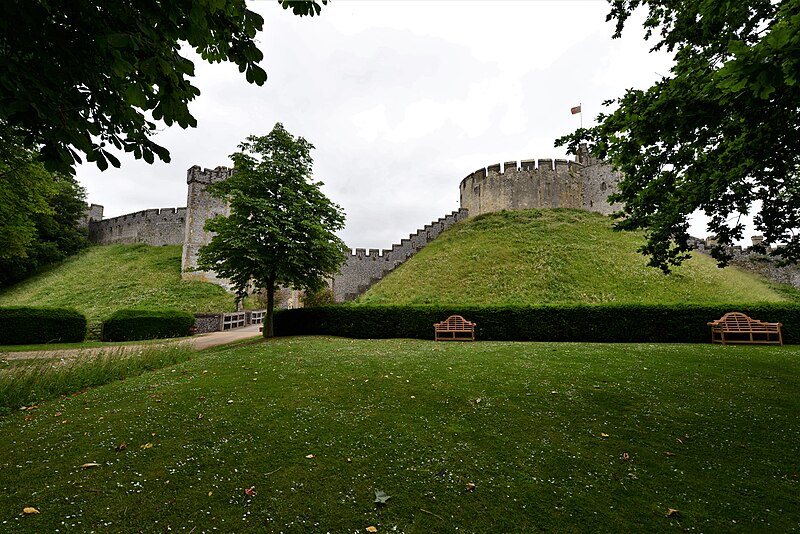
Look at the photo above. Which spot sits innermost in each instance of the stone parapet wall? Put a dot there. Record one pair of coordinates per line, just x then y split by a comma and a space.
363, 268
207, 322
155, 227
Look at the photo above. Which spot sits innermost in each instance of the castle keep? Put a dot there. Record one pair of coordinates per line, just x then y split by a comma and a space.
582, 184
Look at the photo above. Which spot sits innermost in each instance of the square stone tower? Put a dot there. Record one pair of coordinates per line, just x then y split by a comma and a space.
201, 206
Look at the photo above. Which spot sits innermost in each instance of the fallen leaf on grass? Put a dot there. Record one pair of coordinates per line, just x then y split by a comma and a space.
210, 493
470, 486
199, 416
146, 446
58, 414
672, 512
603, 435
249, 491
381, 497
372, 529
310, 456
89, 465
669, 453
625, 457
121, 447
30, 510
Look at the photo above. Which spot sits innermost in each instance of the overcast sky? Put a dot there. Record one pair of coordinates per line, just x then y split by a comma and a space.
401, 99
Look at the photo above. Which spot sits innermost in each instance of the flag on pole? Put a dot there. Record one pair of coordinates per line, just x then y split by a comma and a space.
576, 109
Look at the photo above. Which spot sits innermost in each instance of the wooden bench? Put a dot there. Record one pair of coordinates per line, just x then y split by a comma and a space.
736, 327
454, 328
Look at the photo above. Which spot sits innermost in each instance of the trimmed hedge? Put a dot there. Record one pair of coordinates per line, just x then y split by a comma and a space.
133, 325
20, 325
618, 323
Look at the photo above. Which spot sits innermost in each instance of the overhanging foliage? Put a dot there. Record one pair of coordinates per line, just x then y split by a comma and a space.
719, 134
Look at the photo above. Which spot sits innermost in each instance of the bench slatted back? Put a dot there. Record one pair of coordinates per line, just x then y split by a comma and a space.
454, 322
739, 322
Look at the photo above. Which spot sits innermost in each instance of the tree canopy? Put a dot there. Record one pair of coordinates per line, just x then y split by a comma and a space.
280, 231
39, 214
81, 76
720, 134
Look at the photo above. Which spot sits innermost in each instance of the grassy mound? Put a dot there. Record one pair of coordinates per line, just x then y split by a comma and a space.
298, 435
107, 278
557, 256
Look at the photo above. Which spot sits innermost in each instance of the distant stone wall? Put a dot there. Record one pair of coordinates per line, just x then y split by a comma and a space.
545, 183
154, 227
755, 262
362, 269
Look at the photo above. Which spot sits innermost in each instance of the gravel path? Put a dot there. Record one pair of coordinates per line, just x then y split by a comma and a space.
198, 342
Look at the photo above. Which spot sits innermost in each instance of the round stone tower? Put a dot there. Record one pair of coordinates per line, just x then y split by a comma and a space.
584, 184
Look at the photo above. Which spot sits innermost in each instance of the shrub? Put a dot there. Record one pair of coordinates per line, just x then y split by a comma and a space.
23, 325
683, 323
323, 297
132, 325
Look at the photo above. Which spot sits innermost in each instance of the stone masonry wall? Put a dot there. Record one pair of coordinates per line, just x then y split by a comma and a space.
755, 262
362, 269
154, 227
543, 183
200, 207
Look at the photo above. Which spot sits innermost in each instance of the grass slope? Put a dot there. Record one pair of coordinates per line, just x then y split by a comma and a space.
106, 278
556, 256
555, 437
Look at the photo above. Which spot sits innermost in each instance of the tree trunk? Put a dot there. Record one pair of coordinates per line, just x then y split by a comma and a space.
269, 329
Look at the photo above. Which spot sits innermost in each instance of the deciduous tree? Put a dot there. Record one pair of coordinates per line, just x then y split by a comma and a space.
720, 134
280, 231
39, 214
80, 76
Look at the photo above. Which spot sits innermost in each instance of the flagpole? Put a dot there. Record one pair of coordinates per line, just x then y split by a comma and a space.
580, 104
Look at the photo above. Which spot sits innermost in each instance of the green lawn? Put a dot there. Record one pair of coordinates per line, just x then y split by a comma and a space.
555, 437
103, 279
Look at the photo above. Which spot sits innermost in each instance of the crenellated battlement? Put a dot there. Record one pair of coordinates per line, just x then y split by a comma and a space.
207, 176
155, 227
539, 183
363, 268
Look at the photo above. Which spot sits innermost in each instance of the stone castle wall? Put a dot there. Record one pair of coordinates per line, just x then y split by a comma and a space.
545, 183
362, 269
155, 227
